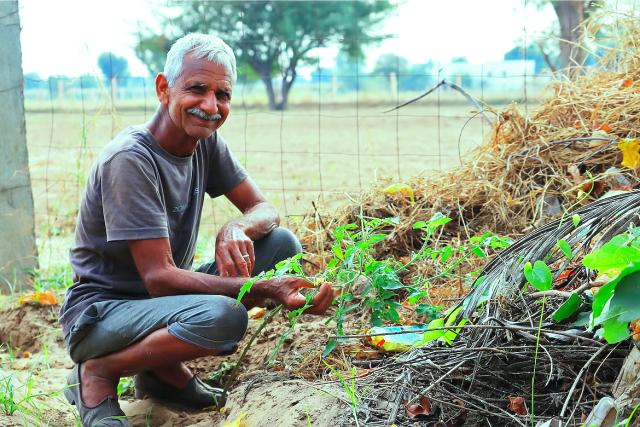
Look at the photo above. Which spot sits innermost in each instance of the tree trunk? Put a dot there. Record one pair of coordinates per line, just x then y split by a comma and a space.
270, 92
287, 81
570, 14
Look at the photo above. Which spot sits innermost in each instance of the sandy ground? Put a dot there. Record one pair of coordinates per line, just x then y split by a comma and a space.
277, 397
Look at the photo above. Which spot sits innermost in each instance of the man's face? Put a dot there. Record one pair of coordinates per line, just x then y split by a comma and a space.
200, 99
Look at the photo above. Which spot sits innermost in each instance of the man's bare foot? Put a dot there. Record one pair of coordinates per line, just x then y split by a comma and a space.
96, 384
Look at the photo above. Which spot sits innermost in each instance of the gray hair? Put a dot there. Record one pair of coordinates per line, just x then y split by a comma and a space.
203, 45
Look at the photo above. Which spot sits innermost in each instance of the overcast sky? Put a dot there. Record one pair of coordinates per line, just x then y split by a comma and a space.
66, 36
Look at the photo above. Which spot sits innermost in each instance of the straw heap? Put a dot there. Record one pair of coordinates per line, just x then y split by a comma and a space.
529, 169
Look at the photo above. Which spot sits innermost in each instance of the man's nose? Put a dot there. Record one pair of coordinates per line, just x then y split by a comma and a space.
210, 103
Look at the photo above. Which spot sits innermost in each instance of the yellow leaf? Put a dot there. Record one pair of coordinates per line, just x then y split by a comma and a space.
630, 155
236, 423
399, 188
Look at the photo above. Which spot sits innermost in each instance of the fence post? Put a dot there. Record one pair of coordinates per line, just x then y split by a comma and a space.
114, 91
393, 82
17, 222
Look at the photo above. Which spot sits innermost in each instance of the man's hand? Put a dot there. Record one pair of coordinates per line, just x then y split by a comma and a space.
287, 292
234, 248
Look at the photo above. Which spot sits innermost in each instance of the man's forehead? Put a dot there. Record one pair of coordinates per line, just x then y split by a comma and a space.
199, 68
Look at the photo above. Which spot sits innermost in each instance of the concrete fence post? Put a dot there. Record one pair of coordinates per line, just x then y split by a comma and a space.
17, 222
393, 82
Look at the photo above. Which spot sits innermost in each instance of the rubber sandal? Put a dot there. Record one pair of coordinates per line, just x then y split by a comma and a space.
107, 413
197, 394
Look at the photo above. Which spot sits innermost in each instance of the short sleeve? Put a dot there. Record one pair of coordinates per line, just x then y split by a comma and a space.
131, 201
225, 171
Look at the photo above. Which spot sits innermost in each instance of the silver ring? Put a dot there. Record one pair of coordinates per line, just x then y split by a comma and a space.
246, 256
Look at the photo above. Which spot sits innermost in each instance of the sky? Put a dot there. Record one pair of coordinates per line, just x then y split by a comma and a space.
66, 36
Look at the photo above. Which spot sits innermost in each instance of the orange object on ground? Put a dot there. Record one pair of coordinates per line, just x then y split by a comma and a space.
42, 298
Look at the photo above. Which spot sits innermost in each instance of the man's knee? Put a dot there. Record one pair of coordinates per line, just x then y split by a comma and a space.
284, 242
215, 323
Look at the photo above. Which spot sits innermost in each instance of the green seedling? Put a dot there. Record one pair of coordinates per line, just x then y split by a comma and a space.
350, 388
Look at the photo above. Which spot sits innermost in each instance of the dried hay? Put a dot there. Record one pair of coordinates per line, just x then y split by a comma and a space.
528, 163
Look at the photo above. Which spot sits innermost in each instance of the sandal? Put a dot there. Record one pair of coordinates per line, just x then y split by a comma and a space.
197, 394
107, 413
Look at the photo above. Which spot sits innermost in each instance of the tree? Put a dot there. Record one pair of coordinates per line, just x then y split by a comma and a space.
536, 52
388, 63
571, 13
271, 37
113, 65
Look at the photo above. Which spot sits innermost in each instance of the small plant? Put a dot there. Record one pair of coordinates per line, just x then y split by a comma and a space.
350, 388
125, 386
353, 249
225, 369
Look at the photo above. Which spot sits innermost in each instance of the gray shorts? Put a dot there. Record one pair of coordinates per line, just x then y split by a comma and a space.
209, 321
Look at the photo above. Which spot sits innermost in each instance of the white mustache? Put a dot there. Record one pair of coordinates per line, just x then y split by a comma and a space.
199, 113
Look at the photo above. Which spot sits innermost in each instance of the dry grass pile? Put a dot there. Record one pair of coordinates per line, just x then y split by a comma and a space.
531, 167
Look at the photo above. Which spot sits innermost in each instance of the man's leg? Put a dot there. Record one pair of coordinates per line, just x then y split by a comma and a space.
128, 337
99, 377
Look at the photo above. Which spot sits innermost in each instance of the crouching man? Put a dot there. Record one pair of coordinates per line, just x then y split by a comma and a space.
135, 307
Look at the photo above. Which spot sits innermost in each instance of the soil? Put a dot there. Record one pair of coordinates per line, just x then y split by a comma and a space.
279, 396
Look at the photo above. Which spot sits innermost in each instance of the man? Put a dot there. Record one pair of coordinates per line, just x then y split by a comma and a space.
135, 307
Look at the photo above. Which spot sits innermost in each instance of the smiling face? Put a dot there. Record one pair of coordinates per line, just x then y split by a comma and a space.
200, 99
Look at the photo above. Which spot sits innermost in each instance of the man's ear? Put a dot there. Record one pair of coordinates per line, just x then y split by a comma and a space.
162, 89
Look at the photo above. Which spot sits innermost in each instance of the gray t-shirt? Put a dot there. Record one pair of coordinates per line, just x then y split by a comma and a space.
136, 190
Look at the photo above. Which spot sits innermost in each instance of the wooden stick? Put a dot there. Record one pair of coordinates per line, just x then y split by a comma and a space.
435, 383
582, 371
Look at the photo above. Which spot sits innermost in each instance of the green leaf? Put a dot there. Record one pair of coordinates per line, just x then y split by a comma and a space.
576, 219
393, 315
247, 287
350, 308
366, 291
615, 331
605, 293
433, 335
338, 251
376, 238
329, 348
616, 254
429, 310
568, 308
437, 220
565, 248
446, 253
479, 252
627, 296
539, 276
419, 224
583, 319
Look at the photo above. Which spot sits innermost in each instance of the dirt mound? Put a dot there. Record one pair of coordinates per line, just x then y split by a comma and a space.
269, 399
26, 327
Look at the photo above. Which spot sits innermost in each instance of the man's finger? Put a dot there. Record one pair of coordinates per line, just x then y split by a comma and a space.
241, 262
252, 257
220, 265
322, 300
227, 266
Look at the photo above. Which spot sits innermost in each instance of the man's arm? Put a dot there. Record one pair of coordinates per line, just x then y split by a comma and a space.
162, 278
235, 239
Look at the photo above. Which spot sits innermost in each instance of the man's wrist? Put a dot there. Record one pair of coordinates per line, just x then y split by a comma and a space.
263, 288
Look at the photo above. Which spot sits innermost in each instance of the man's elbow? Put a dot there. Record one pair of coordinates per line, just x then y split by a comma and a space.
156, 283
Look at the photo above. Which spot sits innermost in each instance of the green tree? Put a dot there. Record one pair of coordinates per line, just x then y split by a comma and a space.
270, 37
388, 63
113, 65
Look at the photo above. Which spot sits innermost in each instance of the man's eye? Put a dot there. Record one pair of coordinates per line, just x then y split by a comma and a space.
224, 95
197, 89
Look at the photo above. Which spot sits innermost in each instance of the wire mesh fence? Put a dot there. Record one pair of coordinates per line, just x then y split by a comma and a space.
332, 137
